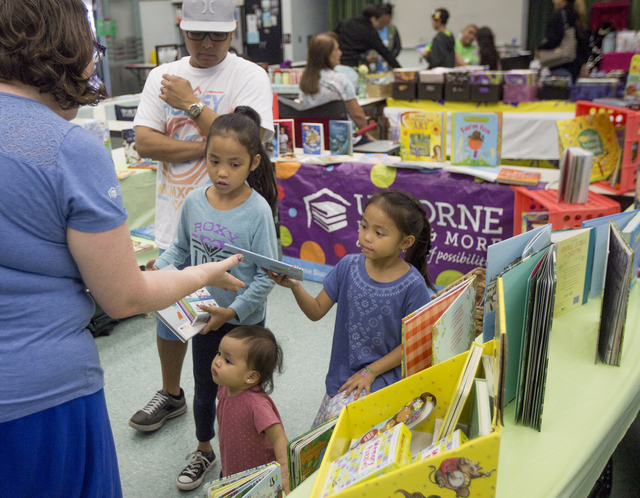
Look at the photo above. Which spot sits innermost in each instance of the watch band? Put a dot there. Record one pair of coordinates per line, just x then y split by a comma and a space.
195, 109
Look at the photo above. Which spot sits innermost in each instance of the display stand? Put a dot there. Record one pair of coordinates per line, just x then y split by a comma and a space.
630, 120
561, 215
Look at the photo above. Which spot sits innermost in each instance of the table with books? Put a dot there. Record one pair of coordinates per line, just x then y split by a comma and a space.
587, 410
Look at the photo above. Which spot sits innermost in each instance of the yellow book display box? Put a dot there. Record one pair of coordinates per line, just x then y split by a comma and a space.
467, 471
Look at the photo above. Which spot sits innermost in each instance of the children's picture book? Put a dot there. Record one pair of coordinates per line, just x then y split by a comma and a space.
139, 247
441, 329
122, 174
312, 138
261, 482
379, 456
411, 414
145, 231
615, 298
574, 261
601, 226
461, 392
423, 136
480, 411
575, 175
632, 88
267, 263
501, 256
305, 452
451, 442
274, 143
144, 164
596, 134
512, 176
99, 129
176, 320
191, 306
286, 136
631, 235
341, 137
129, 144
477, 138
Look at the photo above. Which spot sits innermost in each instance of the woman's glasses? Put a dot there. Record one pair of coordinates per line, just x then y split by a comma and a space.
98, 52
213, 36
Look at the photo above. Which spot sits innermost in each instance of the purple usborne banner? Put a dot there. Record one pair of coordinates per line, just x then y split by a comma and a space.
321, 208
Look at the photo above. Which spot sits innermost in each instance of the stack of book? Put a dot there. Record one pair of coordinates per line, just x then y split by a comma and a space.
575, 175
262, 482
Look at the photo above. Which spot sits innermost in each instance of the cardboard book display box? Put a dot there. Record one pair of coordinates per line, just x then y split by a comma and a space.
468, 470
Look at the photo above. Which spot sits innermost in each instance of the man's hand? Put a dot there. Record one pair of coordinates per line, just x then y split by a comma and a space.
177, 92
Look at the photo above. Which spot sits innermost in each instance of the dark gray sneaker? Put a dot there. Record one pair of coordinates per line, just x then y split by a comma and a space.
162, 407
193, 474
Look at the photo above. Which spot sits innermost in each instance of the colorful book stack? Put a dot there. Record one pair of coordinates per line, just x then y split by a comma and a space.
261, 482
305, 452
450, 442
190, 305
477, 138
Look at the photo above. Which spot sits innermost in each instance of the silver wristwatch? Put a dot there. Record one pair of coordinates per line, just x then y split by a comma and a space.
195, 109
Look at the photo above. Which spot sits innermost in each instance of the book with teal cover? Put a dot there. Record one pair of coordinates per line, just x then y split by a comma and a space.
341, 137
477, 138
145, 231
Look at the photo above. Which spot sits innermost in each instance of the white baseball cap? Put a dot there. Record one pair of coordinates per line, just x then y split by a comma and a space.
208, 15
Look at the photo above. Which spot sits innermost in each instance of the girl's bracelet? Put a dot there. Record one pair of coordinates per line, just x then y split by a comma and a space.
363, 372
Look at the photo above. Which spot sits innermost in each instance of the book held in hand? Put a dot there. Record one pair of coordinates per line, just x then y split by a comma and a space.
191, 305
312, 138
267, 263
341, 137
261, 482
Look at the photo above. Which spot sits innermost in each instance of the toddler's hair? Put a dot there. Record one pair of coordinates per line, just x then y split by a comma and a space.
264, 354
244, 124
411, 219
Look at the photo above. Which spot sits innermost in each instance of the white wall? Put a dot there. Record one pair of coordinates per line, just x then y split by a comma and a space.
506, 18
158, 25
308, 17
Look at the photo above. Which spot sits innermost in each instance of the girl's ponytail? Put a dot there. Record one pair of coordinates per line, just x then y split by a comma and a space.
411, 219
244, 122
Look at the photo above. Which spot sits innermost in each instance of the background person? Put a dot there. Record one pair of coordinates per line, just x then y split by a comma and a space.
320, 84
466, 48
442, 51
571, 13
179, 103
61, 200
487, 48
358, 35
390, 38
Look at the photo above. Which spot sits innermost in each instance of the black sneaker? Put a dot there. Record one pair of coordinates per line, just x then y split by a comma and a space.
162, 406
193, 474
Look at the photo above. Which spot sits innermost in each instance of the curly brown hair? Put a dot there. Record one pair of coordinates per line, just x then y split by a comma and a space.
48, 44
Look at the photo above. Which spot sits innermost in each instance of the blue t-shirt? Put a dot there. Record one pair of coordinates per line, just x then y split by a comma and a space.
369, 318
55, 175
203, 232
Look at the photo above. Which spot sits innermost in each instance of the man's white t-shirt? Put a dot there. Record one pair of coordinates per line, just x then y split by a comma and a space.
233, 82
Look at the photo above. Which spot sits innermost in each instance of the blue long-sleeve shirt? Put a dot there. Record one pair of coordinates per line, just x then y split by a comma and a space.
203, 232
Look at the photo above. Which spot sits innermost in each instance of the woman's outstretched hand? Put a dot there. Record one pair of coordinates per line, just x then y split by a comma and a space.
217, 276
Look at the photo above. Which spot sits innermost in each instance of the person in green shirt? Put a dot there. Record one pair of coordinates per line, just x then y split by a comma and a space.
466, 49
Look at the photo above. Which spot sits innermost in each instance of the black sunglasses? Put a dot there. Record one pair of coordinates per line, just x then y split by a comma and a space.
213, 36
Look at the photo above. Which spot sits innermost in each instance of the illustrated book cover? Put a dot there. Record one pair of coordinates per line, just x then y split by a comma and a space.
423, 136
596, 134
441, 329
286, 136
476, 138
261, 482
312, 138
341, 137
305, 452
129, 143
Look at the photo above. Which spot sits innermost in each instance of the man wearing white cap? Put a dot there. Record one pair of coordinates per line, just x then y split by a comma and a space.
179, 103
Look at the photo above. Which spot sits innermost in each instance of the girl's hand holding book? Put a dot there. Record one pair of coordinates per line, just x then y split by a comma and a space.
282, 279
219, 316
359, 381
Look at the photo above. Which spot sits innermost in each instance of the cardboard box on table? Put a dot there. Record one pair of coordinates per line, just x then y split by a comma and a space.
469, 470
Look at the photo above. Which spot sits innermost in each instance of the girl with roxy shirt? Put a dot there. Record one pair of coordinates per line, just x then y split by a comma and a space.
236, 209
374, 291
251, 430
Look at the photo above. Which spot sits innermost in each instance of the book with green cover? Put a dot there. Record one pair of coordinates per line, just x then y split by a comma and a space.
305, 452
